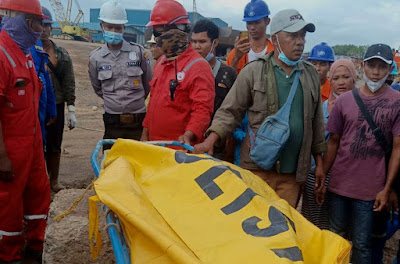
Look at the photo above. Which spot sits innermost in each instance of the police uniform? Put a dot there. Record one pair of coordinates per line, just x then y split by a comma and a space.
121, 78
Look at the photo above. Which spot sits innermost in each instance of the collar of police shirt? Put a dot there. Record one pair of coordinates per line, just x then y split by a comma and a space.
125, 47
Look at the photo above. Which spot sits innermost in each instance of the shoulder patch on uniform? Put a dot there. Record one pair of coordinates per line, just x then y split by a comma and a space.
146, 55
104, 68
39, 47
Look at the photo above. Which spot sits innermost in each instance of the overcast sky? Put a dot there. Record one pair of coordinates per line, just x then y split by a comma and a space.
359, 22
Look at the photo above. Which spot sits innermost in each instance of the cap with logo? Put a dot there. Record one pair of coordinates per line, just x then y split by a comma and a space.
379, 51
290, 20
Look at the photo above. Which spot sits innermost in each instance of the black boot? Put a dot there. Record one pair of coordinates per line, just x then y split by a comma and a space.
53, 165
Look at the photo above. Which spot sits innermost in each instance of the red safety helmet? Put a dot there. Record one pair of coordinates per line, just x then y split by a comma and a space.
168, 12
25, 6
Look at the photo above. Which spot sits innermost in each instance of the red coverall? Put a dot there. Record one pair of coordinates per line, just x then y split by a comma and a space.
27, 197
193, 104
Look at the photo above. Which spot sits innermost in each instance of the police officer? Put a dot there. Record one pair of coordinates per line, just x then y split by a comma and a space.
120, 73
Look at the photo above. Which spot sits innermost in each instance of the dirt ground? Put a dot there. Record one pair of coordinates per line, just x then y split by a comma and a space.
75, 170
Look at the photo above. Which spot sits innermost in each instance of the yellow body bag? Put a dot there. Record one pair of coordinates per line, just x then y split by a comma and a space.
182, 208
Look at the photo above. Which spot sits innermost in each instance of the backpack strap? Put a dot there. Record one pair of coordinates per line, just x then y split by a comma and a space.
284, 112
378, 133
293, 89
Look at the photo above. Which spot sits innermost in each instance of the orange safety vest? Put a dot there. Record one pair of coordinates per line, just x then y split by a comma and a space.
245, 59
325, 90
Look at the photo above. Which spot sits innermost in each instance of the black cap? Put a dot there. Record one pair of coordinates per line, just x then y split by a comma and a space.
379, 51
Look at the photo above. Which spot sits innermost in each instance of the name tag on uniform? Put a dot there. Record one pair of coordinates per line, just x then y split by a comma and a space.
133, 63
104, 68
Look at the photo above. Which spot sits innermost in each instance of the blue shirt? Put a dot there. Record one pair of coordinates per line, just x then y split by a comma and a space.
47, 102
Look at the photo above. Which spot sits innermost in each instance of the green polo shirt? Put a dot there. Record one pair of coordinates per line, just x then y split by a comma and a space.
291, 151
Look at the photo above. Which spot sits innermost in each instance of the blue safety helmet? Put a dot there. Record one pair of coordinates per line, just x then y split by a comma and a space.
322, 52
255, 10
394, 72
47, 13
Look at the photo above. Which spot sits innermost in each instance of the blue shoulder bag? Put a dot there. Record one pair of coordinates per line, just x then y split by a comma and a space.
267, 144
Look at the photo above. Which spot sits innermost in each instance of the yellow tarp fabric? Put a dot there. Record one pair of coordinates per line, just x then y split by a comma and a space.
182, 208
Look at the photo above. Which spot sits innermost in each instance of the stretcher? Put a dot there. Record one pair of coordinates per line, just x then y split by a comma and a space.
120, 247
221, 213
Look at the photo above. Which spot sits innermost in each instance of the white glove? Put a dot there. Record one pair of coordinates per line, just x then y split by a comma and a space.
71, 117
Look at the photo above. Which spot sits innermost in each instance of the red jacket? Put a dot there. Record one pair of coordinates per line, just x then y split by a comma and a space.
19, 93
194, 98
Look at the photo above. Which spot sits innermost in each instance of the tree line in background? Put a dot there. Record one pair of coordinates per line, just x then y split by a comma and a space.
350, 50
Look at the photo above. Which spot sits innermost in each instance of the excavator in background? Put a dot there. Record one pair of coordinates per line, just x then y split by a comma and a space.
70, 29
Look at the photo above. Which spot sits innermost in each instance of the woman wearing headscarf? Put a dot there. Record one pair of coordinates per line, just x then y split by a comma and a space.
343, 76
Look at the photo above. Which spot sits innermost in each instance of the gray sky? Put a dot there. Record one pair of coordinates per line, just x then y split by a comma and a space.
358, 22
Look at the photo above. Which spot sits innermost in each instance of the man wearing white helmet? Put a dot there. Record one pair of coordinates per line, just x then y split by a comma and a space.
120, 73
156, 52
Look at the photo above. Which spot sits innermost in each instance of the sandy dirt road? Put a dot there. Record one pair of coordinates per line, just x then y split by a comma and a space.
78, 144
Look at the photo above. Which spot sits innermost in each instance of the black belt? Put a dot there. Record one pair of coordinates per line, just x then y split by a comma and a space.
124, 118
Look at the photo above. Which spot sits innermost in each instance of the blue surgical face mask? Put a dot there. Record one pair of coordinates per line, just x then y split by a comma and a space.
282, 57
210, 55
113, 38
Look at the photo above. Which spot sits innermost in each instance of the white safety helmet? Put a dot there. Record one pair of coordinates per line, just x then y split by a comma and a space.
113, 12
